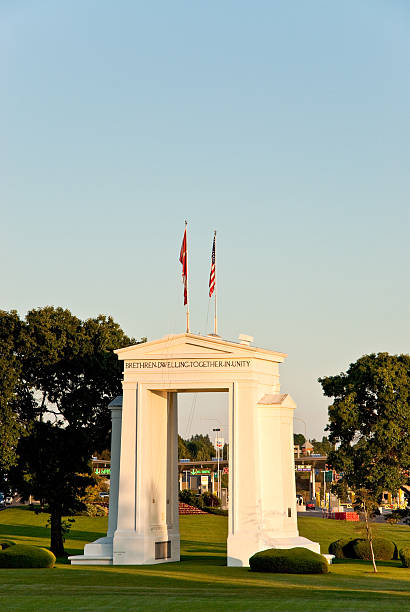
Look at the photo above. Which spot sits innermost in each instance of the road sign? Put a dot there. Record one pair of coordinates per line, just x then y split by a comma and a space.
219, 442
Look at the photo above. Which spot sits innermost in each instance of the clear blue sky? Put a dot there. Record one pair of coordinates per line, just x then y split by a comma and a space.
284, 125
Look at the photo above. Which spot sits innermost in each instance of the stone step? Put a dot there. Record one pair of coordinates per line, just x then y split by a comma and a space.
187, 509
90, 560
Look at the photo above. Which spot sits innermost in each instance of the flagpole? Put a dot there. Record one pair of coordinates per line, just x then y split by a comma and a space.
187, 294
215, 315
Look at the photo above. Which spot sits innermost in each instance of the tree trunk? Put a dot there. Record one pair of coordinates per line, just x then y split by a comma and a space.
42, 407
56, 544
369, 537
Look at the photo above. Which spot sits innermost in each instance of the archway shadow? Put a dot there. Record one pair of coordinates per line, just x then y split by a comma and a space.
202, 553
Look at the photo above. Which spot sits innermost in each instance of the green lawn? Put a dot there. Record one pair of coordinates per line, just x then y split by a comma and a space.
201, 581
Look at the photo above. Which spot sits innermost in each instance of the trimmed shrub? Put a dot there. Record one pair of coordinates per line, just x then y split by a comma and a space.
358, 548
404, 555
6, 543
210, 500
22, 556
289, 561
218, 511
188, 496
396, 516
342, 549
383, 549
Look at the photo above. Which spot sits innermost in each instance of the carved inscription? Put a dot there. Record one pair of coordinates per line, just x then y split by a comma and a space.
189, 363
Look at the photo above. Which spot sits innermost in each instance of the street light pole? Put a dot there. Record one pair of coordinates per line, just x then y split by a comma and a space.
304, 423
217, 429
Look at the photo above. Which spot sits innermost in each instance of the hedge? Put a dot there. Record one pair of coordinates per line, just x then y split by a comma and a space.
404, 555
383, 549
289, 561
359, 548
218, 511
342, 549
23, 556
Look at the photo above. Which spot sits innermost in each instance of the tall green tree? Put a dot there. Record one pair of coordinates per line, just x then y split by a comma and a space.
183, 452
200, 448
324, 447
54, 466
299, 439
369, 424
70, 372
10, 372
66, 373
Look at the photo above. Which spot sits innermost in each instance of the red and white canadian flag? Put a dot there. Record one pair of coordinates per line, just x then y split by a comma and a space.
183, 258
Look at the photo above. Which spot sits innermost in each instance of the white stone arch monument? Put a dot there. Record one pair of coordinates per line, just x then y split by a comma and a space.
143, 519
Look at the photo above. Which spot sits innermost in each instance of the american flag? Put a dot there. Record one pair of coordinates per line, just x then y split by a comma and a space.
183, 258
212, 274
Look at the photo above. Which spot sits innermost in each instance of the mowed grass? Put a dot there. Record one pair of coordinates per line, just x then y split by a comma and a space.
201, 581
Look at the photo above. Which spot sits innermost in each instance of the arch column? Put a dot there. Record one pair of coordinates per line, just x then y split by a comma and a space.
262, 507
244, 474
100, 552
148, 522
116, 419
126, 500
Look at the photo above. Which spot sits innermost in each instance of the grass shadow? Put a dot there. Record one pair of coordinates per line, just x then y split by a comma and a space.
198, 552
24, 531
42, 532
364, 562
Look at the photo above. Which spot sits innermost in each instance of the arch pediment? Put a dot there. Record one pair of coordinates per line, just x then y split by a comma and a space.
195, 346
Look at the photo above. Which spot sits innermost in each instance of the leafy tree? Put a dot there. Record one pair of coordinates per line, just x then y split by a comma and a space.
299, 439
65, 370
92, 492
188, 496
70, 371
183, 452
54, 467
324, 447
209, 500
10, 370
366, 503
369, 423
200, 448
105, 454
400, 514
341, 490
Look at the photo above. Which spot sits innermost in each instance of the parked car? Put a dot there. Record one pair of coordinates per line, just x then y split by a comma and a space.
310, 506
9, 500
2, 500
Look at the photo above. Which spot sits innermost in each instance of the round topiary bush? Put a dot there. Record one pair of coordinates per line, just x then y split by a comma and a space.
383, 549
23, 556
6, 543
342, 549
404, 555
289, 561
